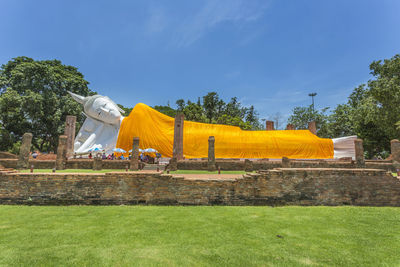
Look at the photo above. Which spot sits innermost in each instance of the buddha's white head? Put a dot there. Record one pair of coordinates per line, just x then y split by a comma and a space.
99, 107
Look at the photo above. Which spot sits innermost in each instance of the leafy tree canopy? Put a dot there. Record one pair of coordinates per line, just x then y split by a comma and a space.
372, 111
215, 110
34, 98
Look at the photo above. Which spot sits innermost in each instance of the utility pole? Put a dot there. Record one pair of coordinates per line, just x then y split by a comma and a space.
312, 97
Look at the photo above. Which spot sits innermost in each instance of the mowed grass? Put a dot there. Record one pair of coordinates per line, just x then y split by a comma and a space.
198, 236
123, 170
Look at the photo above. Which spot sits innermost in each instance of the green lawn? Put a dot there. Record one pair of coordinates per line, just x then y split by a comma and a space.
199, 236
123, 170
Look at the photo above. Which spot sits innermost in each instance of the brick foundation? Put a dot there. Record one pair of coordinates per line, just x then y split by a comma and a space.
318, 186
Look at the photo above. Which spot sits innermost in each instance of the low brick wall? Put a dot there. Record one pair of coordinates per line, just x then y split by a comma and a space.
255, 165
227, 165
271, 187
70, 164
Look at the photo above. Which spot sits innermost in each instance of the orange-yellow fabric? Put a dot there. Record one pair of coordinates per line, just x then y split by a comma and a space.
156, 130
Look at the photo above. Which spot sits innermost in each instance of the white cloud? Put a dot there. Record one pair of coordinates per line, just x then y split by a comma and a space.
215, 12
157, 20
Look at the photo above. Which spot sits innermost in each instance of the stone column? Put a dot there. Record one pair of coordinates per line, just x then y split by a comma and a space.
23, 159
290, 127
248, 165
395, 150
173, 164
69, 131
269, 126
135, 155
97, 163
312, 127
211, 154
61, 152
177, 151
285, 162
360, 161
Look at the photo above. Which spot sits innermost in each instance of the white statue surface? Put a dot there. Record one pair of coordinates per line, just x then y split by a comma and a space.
101, 126
103, 121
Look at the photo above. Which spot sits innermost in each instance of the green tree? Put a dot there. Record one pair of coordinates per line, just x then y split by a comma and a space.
252, 118
340, 121
34, 98
211, 104
302, 115
194, 112
126, 110
167, 110
181, 104
375, 108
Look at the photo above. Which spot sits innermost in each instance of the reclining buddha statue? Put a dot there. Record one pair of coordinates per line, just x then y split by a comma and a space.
105, 128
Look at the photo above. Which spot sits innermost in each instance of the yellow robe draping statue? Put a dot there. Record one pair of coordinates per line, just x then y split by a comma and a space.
156, 130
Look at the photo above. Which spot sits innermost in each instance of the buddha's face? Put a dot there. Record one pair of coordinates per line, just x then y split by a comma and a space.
102, 109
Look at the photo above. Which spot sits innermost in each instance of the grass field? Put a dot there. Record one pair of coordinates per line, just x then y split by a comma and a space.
199, 236
123, 170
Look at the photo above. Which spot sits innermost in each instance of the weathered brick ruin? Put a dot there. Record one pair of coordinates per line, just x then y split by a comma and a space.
318, 186
277, 182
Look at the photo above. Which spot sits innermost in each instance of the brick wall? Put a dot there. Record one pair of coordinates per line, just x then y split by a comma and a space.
232, 165
293, 186
267, 165
70, 164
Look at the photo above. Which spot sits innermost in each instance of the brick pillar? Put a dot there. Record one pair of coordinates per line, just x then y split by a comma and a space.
97, 163
23, 159
360, 161
69, 131
61, 152
177, 151
285, 162
312, 127
269, 126
395, 150
211, 154
290, 127
135, 155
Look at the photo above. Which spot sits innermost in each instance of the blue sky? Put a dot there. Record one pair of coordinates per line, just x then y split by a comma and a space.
269, 54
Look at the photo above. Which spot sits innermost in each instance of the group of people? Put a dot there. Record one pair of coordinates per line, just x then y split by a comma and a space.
142, 157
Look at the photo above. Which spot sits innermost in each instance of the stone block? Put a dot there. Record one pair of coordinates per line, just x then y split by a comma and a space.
69, 131
359, 149
395, 150
97, 163
135, 155
23, 159
286, 162
61, 152
177, 151
248, 165
211, 154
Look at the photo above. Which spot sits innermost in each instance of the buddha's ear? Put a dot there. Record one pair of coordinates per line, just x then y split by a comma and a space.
78, 98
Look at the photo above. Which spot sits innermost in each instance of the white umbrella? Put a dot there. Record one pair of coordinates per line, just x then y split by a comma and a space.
119, 150
140, 150
150, 150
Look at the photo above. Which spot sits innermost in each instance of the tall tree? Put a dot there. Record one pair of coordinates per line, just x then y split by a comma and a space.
181, 104
34, 98
211, 104
302, 115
